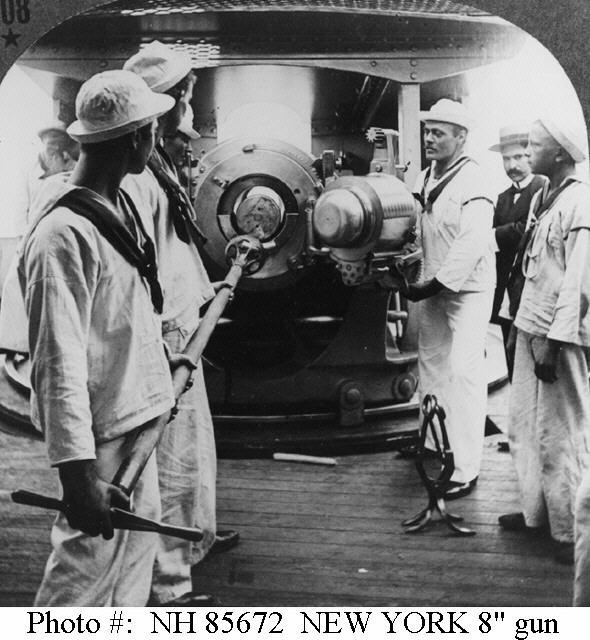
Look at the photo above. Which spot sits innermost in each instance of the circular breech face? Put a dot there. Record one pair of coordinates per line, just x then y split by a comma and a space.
259, 214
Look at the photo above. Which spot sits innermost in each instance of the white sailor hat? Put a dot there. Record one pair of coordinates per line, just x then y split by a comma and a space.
160, 66
113, 103
450, 111
569, 133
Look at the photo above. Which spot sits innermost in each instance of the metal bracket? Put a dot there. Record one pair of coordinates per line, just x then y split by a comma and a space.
436, 487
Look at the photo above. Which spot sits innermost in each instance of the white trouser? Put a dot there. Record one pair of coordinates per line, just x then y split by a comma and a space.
451, 364
92, 572
549, 434
188, 470
582, 538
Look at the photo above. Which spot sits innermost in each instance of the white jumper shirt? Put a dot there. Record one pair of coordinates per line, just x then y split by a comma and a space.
456, 232
98, 365
185, 282
556, 296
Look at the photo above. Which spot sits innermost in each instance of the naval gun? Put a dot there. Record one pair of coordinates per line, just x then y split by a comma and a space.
316, 351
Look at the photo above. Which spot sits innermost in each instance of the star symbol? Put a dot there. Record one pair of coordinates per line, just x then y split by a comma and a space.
11, 38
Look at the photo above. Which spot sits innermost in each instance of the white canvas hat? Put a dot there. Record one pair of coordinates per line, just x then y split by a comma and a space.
160, 66
569, 134
446, 110
113, 103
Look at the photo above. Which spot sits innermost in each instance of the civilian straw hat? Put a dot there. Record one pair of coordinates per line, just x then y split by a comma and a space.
160, 66
512, 134
569, 133
446, 110
113, 103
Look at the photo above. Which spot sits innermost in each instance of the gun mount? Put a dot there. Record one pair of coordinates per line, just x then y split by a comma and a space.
312, 343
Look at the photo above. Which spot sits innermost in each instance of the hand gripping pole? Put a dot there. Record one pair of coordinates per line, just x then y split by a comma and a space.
120, 518
246, 256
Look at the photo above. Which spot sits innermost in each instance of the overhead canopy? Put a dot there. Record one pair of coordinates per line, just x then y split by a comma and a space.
403, 40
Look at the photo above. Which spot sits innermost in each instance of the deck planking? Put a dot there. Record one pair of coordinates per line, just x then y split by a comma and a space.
324, 536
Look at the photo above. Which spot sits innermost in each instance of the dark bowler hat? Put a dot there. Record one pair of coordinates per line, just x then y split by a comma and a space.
511, 134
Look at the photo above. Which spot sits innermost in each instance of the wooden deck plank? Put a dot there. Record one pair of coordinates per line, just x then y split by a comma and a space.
381, 591
323, 536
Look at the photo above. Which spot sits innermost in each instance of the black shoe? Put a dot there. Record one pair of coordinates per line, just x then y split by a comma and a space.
224, 541
192, 599
513, 522
563, 552
456, 490
516, 522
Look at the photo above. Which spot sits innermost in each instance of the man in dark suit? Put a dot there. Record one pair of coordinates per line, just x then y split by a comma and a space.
510, 218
